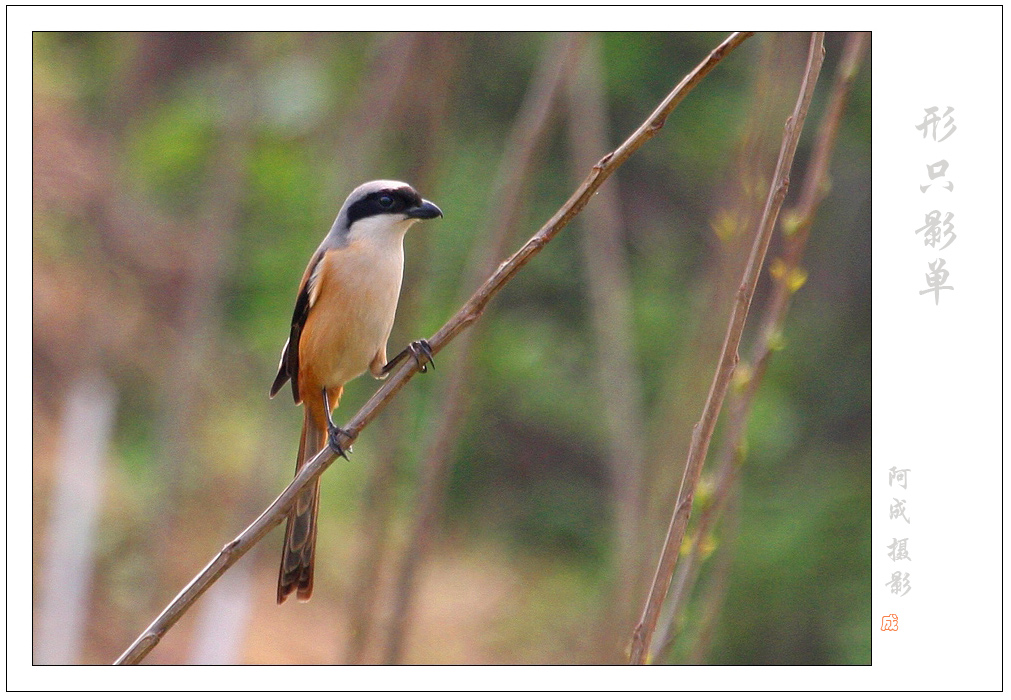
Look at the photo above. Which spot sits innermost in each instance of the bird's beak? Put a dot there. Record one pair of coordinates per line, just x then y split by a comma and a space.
427, 210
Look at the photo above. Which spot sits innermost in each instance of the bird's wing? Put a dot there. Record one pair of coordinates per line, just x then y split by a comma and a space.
288, 368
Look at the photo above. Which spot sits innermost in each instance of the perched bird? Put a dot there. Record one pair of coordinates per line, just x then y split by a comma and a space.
343, 317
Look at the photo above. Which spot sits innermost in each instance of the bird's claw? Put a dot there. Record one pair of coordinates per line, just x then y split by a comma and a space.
334, 433
419, 349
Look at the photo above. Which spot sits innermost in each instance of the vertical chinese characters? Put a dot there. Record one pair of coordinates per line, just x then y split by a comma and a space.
898, 550
935, 230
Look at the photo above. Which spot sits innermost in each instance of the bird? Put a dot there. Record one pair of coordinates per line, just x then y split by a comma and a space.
344, 312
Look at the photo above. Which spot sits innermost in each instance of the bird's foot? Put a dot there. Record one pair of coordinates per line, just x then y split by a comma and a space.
334, 432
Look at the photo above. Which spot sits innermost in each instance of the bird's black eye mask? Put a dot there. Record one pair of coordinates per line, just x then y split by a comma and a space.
395, 201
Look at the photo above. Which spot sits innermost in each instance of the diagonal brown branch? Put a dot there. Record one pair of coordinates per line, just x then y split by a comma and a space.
465, 317
703, 431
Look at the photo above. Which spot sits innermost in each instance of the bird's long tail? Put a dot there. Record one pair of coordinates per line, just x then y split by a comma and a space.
299, 552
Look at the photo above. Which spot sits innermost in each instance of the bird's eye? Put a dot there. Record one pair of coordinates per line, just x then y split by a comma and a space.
386, 201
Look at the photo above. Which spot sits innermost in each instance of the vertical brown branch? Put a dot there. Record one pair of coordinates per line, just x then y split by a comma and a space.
703, 432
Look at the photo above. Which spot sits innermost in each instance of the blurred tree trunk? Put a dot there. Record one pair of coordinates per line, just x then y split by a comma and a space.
610, 294
198, 323
514, 170
68, 550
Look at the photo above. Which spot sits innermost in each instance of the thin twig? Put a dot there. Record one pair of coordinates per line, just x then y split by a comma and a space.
798, 221
463, 319
718, 582
703, 431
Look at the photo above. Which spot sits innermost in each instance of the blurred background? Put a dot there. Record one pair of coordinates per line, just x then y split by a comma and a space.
510, 506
